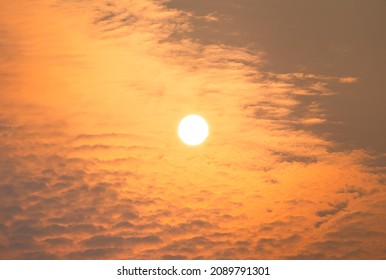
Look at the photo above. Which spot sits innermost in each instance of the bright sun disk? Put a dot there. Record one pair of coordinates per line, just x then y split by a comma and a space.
193, 130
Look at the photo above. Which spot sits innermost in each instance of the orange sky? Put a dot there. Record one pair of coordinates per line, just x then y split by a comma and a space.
91, 166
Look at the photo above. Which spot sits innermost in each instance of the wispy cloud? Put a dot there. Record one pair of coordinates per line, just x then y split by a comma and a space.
91, 167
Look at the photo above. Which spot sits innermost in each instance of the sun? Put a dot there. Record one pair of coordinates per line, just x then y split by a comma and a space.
193, 130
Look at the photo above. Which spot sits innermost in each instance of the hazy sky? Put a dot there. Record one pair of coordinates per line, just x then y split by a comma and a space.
91, 93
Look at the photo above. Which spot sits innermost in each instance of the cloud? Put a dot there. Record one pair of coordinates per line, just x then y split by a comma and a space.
173, 257
117, 241
91, 167
332, 211
59, 241
313, 121
102, 253
193, 226
211, 17
287, 157
348, 80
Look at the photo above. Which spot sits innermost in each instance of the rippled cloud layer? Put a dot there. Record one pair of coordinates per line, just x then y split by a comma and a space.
91, 166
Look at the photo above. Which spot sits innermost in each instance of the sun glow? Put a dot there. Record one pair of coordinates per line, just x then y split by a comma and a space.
193, 130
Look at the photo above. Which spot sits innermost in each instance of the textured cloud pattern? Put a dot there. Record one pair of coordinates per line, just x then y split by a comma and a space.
91, 168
